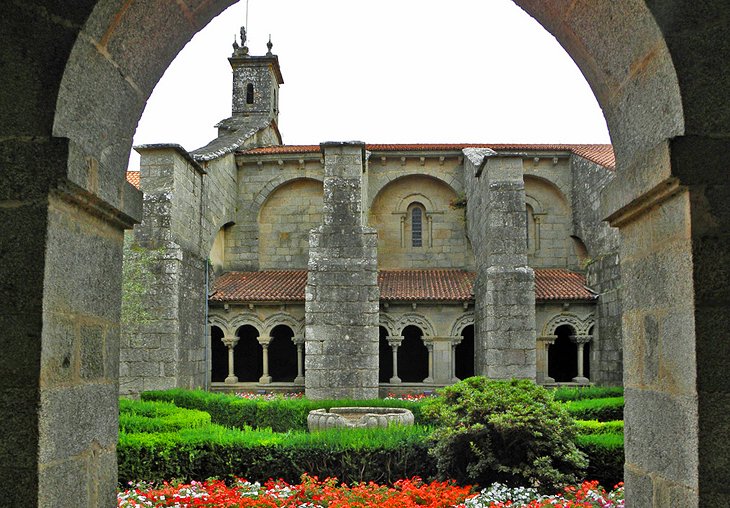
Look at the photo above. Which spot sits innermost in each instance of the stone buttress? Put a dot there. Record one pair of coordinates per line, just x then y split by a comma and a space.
504, 290
342, 294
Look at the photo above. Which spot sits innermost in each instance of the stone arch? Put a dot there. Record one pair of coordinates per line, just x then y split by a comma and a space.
403, 203
579, 326
282, 318
247, 318
222, 323
96, 73
390, 324
462, 322
534, 203
272, 186
418, 320
416, 197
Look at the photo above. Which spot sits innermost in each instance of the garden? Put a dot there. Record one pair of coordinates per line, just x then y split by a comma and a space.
476, 444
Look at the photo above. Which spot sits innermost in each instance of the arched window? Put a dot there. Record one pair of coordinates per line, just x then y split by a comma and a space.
416, 226
282, 354
249, 93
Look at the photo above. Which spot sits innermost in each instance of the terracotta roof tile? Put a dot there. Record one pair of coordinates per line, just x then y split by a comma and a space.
600, 154
445, 285
133, 178
561, 284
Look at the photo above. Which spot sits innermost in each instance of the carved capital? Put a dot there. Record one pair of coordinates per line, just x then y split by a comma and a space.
230, 342
395, 340
548, 340
298, 340
581, 339
264, 341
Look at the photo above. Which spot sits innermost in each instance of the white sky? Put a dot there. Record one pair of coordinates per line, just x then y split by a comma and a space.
384, 71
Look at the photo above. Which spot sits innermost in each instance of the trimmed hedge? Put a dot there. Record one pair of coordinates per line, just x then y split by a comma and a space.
565, 394
605, 457
603, 410
280, 415
151, 416
596, 427
352, 455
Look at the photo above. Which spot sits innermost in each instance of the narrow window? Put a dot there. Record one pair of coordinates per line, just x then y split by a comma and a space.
249, 93
416, 227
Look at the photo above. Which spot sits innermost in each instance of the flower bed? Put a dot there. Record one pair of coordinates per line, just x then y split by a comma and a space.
312, 493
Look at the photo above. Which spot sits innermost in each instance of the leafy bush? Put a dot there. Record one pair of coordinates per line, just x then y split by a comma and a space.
606, 457
596, 427
511, 432
383, 455
603, 410
587, 392
142, 416
281, 415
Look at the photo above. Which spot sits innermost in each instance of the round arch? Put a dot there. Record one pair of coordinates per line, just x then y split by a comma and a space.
247, 318
414, 319
221, 323
466, 319
579, 326
282, 318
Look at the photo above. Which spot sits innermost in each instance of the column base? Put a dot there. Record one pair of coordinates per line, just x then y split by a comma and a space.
231, 380
395, 380
299, 380
428, 380
455, 380
265, 380
581, 380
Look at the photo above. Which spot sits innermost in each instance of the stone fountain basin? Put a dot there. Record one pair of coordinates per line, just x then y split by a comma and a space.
352, 417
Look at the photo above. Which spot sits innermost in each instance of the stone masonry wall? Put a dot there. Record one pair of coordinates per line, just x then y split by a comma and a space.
168, 348
504, 310
603, 270
342, 312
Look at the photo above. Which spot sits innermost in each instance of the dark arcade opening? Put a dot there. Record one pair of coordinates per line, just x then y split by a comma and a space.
465, 354
562, 356
282, 355
385, 358
248, 356
218, 356
412, 356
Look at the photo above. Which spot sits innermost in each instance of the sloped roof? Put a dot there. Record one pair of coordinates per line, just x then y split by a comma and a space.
600, 154
445, 285
133, 178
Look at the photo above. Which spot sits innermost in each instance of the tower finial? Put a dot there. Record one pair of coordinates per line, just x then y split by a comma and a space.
241, 50
269, 45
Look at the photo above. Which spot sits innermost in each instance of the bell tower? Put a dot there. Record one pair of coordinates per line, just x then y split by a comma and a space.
256, 81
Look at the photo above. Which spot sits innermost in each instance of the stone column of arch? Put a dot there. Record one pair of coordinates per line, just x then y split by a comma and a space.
547, 341
230, 342
265, 378
581, 341
298, 341
394, 342
455, 341
428, 342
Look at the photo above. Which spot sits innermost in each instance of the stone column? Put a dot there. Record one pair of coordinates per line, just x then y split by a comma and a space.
342, 295
265, 377
395, 342
298, 341
543, 375
455, 341
429, 345
230, 343
61, 276
504, 310
581, 341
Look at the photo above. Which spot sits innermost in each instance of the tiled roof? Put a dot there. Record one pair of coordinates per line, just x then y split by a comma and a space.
561, 284
133, 178
263, 286
600, 154
446, 285
422, 285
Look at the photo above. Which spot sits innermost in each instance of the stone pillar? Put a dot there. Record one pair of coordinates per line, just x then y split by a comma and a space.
504, 310
61, 276
342, 295
298, 341
429, 346
230, 343
543, 374
395, 342
265, 377
455, 341
581, 341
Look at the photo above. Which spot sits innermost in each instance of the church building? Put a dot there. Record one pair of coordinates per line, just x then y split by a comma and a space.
357, 270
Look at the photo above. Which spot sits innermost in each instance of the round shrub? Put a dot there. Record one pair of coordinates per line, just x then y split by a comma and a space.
511, 432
